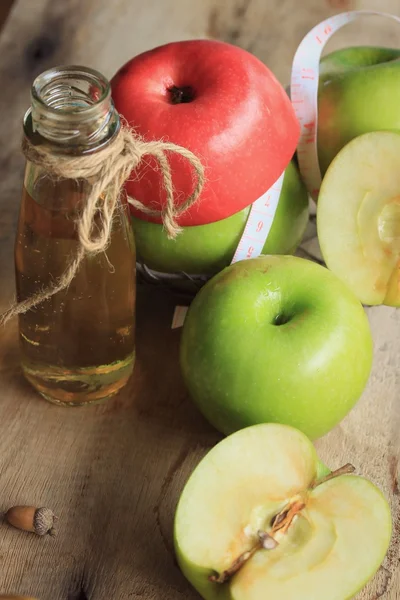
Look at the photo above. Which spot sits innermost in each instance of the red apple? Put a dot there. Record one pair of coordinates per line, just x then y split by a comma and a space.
224, 105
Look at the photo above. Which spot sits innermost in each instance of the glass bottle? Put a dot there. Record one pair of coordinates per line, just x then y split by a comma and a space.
77, 347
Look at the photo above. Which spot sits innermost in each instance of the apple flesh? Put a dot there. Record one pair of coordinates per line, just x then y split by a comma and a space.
275, 339
358, 93
209, 248
258, 520
220, 102
358, 217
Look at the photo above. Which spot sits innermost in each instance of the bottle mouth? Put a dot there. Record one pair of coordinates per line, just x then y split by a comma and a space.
71, 89
71, 105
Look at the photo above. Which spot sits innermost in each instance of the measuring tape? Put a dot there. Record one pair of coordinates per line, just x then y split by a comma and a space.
304, 98
259, 223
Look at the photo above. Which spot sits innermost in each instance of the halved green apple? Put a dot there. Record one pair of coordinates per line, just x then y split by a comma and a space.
259, 518
358, 217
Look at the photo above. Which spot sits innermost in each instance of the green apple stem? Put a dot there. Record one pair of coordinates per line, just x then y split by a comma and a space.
346, 469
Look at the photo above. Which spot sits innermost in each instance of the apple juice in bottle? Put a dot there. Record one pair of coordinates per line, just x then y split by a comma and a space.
78, 346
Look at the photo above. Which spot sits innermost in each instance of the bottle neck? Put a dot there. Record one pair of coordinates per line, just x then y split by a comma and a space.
71, 109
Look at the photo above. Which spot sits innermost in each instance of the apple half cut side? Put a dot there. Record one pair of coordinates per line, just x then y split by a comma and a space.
257, 519
358, 217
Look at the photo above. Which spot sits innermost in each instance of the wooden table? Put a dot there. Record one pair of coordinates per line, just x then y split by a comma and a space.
113, 473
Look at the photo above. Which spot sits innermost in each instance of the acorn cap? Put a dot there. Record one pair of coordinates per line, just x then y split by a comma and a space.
43, 521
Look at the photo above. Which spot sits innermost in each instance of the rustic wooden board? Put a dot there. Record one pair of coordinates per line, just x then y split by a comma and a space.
113, 474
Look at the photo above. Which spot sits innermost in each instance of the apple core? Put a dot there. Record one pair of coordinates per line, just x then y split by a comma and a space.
389, 224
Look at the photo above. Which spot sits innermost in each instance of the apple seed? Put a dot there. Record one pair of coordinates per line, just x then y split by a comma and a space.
286, 517
276, 519
266, 540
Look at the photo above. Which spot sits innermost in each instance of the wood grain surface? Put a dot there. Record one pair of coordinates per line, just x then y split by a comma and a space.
113, 474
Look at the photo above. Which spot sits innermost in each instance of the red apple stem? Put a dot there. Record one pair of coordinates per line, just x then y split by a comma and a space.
345, 470
181, 95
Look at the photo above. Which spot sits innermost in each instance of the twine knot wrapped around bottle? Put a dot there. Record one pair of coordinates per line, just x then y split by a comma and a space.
107, 170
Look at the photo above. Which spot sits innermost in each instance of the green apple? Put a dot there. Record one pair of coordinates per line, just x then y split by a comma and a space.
275, 339
209, 248
257, 520
358, 217
358, 93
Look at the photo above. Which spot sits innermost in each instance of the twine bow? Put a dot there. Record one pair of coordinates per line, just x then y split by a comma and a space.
109, 168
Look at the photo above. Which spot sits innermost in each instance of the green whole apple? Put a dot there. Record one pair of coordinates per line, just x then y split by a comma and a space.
358, 93
275, 339
209, 248
258, 519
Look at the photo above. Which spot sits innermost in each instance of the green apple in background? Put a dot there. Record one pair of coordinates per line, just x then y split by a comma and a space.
358, 217
275, 339
208, 248
258, 520
359, 92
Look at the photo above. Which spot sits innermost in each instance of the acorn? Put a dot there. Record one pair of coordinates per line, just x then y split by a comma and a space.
17, 597
30, 518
